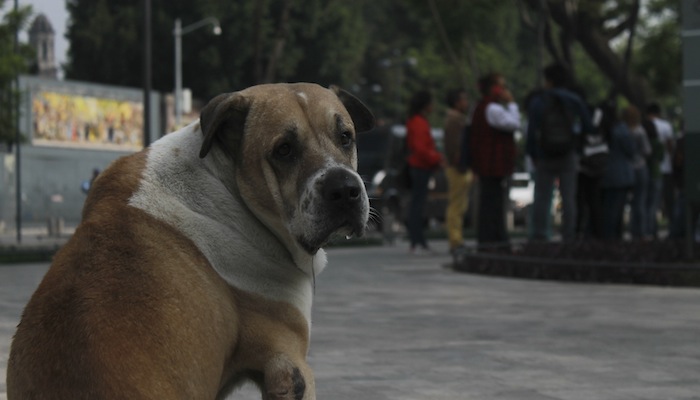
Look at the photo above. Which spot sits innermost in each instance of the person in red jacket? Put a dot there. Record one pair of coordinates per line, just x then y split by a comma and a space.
423, 159
494, 121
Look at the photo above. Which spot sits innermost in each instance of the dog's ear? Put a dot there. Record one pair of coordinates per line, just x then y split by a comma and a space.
228, 110
361, 116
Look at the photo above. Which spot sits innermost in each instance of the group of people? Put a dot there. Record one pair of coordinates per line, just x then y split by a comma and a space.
633, 164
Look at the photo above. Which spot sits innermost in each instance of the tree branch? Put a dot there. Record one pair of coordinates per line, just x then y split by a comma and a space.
446, 41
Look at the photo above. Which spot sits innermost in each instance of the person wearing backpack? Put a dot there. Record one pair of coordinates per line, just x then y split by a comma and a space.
556, 117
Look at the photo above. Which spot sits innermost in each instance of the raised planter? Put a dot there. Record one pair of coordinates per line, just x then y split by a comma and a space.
630, 262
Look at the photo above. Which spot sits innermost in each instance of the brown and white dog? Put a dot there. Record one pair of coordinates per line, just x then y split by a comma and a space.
193, 267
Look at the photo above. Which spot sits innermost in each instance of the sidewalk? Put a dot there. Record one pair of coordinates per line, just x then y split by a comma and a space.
388, 325
33, 238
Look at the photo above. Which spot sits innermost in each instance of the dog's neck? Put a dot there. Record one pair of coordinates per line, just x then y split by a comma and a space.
208, 210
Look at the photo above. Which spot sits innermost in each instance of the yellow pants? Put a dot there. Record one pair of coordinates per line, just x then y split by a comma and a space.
458, 185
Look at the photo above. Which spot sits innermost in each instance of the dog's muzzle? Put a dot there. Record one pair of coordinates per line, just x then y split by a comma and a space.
341, 190
340, 206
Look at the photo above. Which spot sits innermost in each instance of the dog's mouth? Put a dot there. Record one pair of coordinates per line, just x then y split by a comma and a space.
311, 242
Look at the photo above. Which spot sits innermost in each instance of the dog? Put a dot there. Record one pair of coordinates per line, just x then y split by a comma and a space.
194, 266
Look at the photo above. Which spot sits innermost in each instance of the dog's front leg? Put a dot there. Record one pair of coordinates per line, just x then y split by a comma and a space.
285, 379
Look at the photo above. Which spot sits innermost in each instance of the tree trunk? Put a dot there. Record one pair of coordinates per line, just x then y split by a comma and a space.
280, 41
596, 45
258, 40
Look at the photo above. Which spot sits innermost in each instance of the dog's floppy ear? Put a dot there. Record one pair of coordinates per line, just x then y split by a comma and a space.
361, 116
228, 110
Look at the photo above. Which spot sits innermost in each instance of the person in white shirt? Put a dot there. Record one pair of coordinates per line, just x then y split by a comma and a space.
493, 151
667, 138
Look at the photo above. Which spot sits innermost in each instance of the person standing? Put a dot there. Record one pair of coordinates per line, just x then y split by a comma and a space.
617, 180
555, 108
459, 177
638, 223
492, 148
423, 160
589, 204
653, 163
665, 134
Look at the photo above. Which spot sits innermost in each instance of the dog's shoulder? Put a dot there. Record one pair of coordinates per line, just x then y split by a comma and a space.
116, 184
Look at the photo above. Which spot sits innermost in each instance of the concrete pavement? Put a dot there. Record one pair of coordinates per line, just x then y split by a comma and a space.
388, 325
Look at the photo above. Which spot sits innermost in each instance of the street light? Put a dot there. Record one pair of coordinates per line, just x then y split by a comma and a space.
178, 32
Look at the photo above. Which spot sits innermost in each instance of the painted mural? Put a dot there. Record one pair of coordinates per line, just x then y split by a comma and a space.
66, 120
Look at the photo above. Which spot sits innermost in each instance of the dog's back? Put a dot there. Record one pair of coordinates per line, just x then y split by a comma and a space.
107, 315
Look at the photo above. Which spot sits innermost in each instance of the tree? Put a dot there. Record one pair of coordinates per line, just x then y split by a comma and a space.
662, 36
261, 41
600, 28
383, 50
13, 61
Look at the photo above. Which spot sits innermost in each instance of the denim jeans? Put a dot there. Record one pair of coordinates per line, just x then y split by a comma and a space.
639, 220
419, 196
652, 203
589, 210
546, 173
614, 199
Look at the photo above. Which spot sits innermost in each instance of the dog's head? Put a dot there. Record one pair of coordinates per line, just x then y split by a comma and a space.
293, 147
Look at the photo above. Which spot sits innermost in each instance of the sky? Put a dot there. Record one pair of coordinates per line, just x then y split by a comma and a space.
55, 11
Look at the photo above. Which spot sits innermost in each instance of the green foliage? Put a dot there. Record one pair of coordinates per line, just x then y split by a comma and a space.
662, 37
13, 61
381, 50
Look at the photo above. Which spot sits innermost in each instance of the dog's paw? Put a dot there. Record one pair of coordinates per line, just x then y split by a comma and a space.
284, 381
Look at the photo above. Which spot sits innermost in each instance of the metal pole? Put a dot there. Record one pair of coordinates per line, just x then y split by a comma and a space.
147, 75
18, 181
178, 72
689, 228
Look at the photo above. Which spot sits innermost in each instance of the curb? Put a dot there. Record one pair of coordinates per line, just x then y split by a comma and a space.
508, 263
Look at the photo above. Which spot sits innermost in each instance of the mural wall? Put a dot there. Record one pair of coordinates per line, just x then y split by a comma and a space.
87, 122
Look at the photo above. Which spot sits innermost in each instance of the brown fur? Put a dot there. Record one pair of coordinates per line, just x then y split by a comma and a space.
107, 316
132, 309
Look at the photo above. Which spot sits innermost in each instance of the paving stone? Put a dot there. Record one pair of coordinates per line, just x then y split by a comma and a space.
388, 325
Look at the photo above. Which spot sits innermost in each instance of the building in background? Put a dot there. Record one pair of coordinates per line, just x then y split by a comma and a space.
70, 128
41, 38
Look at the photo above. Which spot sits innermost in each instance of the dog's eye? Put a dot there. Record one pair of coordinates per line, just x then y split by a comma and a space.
346, 139
283, 150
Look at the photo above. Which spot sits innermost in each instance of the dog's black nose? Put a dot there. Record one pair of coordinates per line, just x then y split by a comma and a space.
341, 188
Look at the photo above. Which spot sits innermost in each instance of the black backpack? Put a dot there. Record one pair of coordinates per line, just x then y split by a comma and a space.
556, 136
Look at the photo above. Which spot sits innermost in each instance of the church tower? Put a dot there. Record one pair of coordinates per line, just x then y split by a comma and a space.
41, 38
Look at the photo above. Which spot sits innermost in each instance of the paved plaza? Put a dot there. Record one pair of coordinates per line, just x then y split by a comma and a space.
388, 325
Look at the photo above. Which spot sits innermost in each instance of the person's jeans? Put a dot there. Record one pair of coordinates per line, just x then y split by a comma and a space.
668, 190
492, 216
545, 175
653, 200
589, 213
419, 196
458, 185
614, 200
639, 220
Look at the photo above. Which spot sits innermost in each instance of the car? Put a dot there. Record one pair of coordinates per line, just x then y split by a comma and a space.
381, 157
522, 195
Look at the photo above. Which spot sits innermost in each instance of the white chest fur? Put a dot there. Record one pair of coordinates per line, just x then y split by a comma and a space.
198, 198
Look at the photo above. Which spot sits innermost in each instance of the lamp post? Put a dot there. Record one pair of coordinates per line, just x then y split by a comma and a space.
18, 139
178, 32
